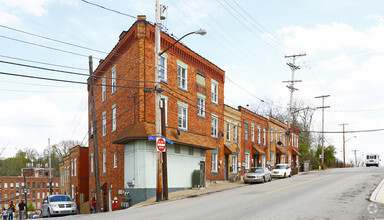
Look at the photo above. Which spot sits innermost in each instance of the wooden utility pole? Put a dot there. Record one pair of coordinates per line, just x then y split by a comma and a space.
343, 143
291, 88
94, 137
322, 133
165, 168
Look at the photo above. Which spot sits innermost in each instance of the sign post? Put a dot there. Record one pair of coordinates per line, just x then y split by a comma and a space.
160, 144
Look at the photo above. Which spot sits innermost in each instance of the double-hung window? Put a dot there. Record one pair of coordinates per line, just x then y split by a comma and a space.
246, 160
214, 124
163, 66
264, 137
182, 77
114, 79
246, 131
228, 131
214, 161
104, 161
214, 91
72, 167
182, 115
258, 135
234, 163
103, 90
104, 123
113, 117
234, 133
115, 160
200, 105
271, 134
252, 132
75, 169
92, 163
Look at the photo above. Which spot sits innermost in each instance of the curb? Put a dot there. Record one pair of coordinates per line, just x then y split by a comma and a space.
376, 191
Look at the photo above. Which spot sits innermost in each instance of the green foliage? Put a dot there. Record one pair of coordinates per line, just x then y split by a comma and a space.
30, 207
329, 155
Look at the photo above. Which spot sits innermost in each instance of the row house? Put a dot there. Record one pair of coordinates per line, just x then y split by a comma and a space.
32, 187
74, 174
283, 151
125, 117
232, 143
254, 139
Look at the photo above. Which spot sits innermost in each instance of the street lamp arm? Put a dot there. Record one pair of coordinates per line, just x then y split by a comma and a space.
350, 138
201, 32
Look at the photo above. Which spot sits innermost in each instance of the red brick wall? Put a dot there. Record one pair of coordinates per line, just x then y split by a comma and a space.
35, 190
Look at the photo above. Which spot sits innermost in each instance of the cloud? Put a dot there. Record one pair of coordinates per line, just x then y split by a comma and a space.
35, 7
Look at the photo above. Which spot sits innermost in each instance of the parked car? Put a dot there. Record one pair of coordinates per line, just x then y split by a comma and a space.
257, 174
58, 205
281, 170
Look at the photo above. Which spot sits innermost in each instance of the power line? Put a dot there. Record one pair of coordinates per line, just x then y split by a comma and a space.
108, 9
69, 72
66, 81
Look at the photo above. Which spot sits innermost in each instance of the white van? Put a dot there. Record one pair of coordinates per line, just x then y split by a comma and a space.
372, 160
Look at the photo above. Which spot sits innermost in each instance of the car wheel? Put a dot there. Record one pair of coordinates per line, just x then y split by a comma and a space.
285, 175
263, 179
245, 181
270, 178
41, 214
290, 175
49, 213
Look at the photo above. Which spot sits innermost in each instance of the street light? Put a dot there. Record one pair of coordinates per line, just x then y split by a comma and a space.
344, 148
162, 157
200, 31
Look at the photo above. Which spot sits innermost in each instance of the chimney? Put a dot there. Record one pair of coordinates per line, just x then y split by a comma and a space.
141, 18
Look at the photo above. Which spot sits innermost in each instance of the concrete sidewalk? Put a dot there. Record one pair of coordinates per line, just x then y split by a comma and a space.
378, 193
182, 194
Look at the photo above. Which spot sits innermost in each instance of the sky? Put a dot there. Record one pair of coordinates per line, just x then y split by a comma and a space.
248, 39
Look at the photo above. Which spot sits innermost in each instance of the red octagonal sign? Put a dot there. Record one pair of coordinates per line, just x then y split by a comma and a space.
160, 144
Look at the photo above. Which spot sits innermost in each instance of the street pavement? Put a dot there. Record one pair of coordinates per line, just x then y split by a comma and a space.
347, 193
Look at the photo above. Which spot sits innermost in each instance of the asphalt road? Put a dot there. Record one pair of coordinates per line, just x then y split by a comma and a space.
330, 194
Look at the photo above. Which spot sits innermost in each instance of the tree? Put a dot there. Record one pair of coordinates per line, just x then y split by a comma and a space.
30, 206
329, 155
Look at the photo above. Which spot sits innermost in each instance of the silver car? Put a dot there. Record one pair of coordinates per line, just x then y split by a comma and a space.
58, 205
257, 174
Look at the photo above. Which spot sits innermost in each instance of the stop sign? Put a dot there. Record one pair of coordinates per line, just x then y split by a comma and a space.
160, 144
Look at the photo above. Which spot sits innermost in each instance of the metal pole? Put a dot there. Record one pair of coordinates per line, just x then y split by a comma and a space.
159, 185
50, 167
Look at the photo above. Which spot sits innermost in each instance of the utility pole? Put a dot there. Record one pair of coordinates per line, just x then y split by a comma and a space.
343, 142
25, 194
159, 184
355, 158
164, 134
292, 88
322, 133
50, 167
94, 137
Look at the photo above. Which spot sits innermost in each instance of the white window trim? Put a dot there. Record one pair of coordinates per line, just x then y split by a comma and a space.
103, 90
228, 133
113, 79
74, 164
72, 167
104, 123
234, 133
180, 114
114, 118
258, 135
201, 105
180, 77
264, 137
214, 162
214, 126
246, 160
115, 160
214, 91
92, 163
104, 161
252, 132
165, 78
234, 164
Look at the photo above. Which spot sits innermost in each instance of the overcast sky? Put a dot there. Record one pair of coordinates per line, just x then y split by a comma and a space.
343, 42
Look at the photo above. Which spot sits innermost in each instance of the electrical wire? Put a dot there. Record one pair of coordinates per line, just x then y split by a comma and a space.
108, 9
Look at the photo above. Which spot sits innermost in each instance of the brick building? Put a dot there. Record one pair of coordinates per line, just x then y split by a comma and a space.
125, 116
232, 143
254, 139
74, 174
35, 184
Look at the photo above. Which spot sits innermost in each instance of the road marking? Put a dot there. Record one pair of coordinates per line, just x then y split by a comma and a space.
297, 184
